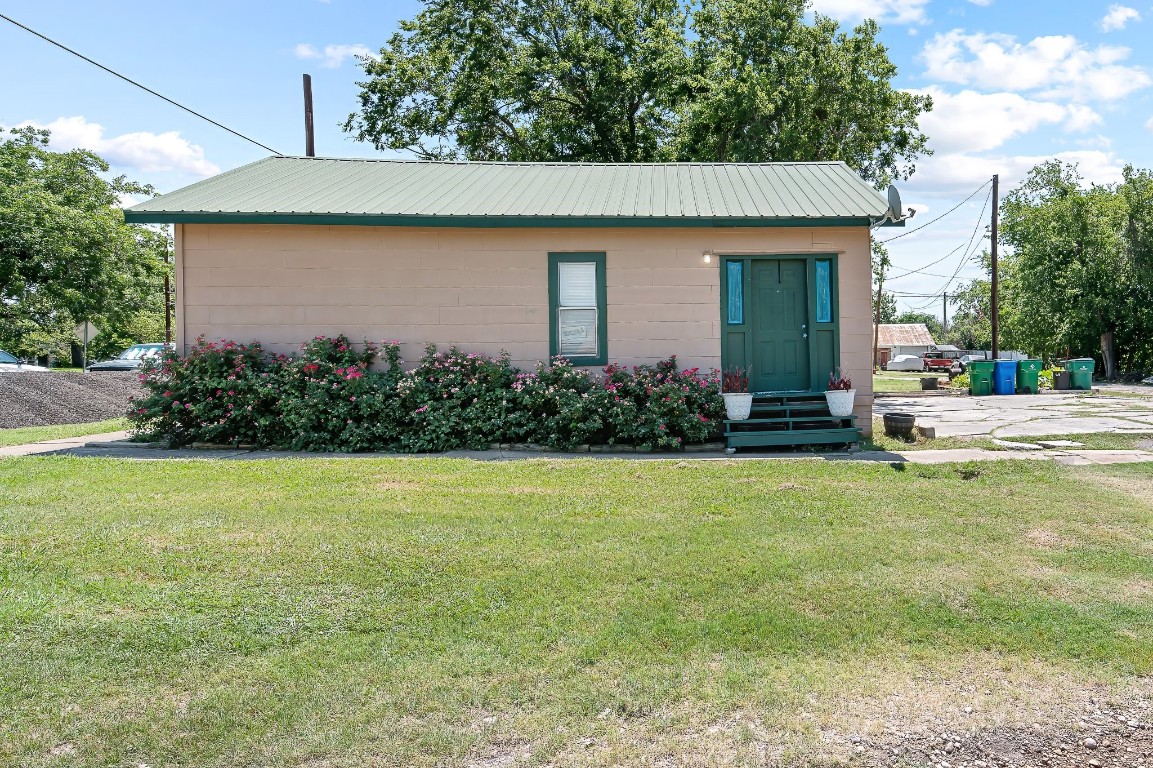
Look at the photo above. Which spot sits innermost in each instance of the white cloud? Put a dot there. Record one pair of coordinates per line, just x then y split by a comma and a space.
333, 55
1118, 17
1056, 66
976, 122
948, 175
982, 3
898, 11
140, 150
1149, 125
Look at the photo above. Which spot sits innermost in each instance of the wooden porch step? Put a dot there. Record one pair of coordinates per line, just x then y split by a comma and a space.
789, 420
782, 438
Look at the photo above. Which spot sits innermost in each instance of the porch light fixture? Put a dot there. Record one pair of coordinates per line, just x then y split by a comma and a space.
708, 257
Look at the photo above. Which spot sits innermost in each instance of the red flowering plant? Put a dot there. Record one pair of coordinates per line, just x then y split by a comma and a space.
838, 381
333, 402
559, 405
661, 406
455, 400
220, 392
735, 380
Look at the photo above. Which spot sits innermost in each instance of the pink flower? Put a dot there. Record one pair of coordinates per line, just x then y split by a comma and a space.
422, 409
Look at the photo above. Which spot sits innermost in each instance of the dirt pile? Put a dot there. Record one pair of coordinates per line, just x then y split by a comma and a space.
30, 399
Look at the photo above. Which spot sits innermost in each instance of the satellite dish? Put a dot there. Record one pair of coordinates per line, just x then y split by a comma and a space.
894, 204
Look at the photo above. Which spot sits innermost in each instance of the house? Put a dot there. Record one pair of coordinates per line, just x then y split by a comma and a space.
902, 339
764, 266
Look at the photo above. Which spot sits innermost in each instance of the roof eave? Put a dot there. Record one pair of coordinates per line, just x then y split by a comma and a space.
137, 216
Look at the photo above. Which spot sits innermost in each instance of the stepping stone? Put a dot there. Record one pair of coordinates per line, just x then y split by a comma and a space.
1060, 444
1014, 446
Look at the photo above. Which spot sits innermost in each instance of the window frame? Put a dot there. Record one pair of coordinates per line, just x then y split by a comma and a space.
554, 262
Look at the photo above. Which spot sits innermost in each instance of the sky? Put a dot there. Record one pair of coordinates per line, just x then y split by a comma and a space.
1015, 82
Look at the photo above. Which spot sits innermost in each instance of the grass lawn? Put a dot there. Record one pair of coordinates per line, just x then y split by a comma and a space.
22, 435
353, 612
901, 381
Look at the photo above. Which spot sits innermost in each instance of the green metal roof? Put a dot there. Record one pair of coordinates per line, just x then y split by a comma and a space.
402, 192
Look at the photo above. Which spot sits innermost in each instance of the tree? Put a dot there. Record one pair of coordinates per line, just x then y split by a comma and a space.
887, 312
66, 254
638, 81
936, 330
1075, 277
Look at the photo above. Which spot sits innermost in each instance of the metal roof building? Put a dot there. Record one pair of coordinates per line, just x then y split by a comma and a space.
401, 192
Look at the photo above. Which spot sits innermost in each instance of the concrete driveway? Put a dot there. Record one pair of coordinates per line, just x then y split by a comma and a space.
1057, 413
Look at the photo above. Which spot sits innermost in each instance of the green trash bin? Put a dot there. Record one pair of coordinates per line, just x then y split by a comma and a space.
981, 378
1028, 372
1081, 372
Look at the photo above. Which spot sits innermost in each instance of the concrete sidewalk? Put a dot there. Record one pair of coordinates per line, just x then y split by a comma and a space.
114, 445
63, 444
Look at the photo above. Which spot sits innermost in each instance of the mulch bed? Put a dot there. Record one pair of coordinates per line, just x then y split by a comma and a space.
32, 399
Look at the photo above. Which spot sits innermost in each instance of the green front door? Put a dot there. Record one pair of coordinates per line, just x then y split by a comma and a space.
780, 324
779, 320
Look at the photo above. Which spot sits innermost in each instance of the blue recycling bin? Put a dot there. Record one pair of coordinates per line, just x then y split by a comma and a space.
1005, 377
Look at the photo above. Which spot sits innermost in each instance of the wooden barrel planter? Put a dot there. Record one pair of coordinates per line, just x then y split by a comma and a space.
929, 382
900, 425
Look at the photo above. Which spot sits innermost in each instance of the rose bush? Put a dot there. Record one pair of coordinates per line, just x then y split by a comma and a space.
327, 398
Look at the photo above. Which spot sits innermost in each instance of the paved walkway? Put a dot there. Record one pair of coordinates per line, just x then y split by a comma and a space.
113, 445
1057, 413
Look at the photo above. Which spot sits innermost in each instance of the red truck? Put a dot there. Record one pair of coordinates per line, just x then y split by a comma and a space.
941, 359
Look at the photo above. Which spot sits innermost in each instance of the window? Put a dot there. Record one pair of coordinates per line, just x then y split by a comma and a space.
578, 328
736, 290
824, 269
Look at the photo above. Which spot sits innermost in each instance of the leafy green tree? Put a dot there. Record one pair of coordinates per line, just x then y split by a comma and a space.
637, 81
932, 322
765, 84
66, 254
1075, 281
888, 313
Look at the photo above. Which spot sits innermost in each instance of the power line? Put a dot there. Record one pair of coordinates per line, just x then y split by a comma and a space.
967, 256
138, 85
920, 270
943, 215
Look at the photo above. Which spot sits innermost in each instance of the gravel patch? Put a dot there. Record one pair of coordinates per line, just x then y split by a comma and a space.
1094, 735
32, 399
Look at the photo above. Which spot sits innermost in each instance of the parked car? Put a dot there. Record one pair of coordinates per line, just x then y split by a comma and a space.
905, 363
12, 364
130, 359
964, 361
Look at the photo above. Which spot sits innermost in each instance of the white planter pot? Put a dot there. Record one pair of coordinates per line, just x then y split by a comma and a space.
840, 402
738, 405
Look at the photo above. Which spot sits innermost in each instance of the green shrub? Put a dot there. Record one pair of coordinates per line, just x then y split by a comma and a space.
327, 398
218, 393
332, 402
960, 381
453, 400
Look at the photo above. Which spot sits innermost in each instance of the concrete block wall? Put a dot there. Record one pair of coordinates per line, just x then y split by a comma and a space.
486, 290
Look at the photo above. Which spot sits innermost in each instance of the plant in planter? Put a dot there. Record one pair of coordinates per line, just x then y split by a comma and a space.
735, 391
840, 395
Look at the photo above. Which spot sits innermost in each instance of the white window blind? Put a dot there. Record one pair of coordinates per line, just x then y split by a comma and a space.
577, 309
578, 284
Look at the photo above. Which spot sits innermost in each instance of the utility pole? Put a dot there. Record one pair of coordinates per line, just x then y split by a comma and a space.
309, 134
945, 310
993, 306
877, 317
